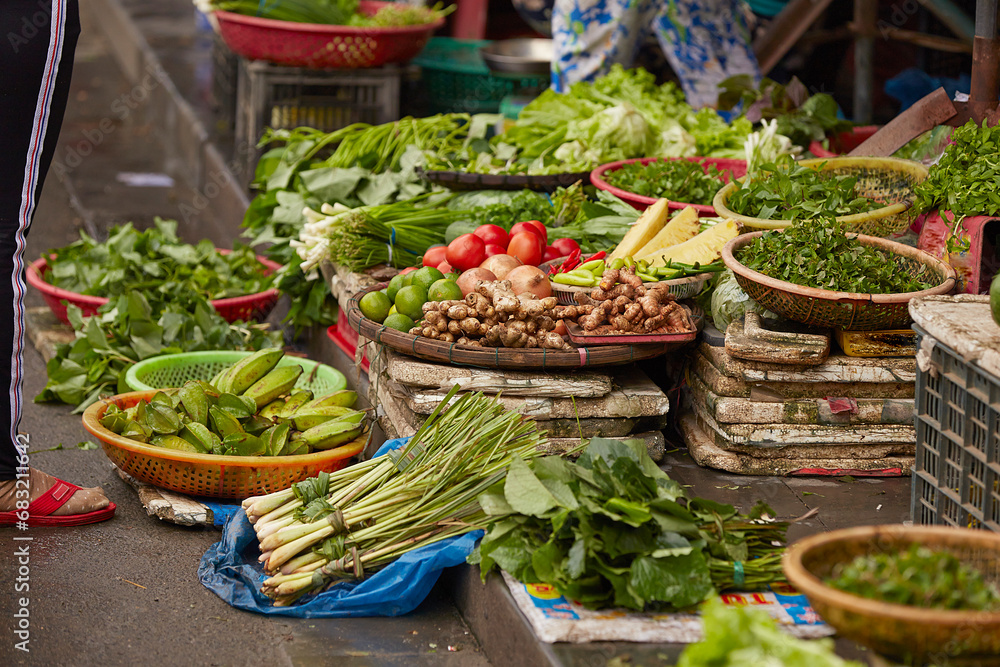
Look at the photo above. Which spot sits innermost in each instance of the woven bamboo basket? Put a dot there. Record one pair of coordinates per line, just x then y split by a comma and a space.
847, 310
898, 631
497, 357
888, 181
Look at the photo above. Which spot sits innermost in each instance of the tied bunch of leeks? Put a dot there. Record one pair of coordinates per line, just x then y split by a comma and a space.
352, 522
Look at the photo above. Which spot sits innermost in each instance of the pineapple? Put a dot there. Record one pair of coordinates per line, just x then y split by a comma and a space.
645, 228
683, 226
704, 248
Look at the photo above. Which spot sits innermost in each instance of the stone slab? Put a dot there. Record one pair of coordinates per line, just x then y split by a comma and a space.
836, 368
45, 331
167, 505
965, 324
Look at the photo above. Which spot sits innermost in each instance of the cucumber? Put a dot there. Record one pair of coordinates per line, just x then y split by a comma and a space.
995, 298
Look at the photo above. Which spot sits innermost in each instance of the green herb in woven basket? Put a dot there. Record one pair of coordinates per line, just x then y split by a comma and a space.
818, 253
677, 180
784, 190
917, 577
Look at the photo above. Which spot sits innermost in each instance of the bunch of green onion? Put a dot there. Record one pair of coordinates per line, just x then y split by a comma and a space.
345, 524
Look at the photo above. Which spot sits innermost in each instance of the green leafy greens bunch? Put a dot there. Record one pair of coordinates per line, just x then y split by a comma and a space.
614, 529
819, 253
677, 180
785, 190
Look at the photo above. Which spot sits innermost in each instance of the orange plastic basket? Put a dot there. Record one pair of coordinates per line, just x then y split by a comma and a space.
208, 474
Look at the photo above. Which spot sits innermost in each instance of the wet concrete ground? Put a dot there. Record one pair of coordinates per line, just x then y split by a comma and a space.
125, 591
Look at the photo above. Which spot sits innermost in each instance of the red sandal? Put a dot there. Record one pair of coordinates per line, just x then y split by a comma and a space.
41, 508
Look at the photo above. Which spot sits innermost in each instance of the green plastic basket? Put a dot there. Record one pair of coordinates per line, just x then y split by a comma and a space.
457, 79
173, 370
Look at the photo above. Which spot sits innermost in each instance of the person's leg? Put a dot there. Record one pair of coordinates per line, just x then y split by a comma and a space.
36, 62
705, 41
589, 36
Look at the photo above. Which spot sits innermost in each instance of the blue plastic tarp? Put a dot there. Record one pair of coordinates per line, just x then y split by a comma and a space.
230, 570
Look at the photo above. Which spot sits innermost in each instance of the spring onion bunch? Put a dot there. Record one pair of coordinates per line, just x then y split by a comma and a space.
347, 524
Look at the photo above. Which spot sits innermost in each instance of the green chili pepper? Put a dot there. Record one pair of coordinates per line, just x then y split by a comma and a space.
574, 279
642, 265
647, 278
616, 264
629, 262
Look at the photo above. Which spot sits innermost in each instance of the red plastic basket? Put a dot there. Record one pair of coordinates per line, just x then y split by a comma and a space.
321, 46
346, 338
251, 307
845, 142
641, 202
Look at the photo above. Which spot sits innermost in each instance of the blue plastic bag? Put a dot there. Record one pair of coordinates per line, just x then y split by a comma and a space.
230, 570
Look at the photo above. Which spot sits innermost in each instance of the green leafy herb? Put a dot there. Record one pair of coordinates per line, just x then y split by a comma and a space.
785, 190
677, 180
818, 253
125, 331
917, 577
614, 529
741, 637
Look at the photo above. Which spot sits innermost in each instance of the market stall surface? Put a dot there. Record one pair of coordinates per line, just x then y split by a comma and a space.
126, 591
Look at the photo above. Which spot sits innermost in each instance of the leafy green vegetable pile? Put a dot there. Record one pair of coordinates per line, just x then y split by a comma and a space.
621, 115
741, 637
614, 529
784, 190
128, 330
918, 577
677, 180
964, 181
156, 262
333, 12
800, 117
818, 253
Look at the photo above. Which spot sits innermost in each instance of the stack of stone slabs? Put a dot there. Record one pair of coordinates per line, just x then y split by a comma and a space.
846, 415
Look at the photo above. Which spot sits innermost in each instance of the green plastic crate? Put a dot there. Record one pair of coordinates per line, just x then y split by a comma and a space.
456, 78
173, 370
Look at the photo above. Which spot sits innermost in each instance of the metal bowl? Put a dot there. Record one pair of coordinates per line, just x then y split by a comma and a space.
519, 56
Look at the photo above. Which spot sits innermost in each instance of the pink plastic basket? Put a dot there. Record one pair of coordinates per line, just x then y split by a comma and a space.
323, 46
251, 307
737, 167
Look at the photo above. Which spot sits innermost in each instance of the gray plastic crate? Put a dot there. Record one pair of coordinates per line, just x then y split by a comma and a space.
287, 97
956, 477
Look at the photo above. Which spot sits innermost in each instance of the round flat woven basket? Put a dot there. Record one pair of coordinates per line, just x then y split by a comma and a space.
208, 474
173, 370
737, 168
248, 308
895, 630
847, 310
318, 46
495, 357
463, 180
888, 181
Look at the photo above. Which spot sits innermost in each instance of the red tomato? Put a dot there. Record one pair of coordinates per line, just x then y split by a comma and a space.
565, 246
525, 246
408, 269
435, 255
529, 227
492, 249
551, 253
466, 252
493, 235
445, 268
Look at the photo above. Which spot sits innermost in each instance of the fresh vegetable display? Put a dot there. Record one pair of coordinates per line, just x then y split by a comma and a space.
784, 190
612, 529
333, 12
127, 330
918, 577
744, 637
154, 261
819, 253
623, 304
676, 180
250, 408
348, 524
662, 242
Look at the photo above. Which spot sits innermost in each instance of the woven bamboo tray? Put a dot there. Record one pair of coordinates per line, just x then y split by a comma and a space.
847, 310
887, 180
895, 630
496, 357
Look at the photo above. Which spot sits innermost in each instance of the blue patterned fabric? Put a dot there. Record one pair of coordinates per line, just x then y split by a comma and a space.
704, 41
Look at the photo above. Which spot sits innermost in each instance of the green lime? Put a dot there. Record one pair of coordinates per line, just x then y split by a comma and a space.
426, 277
392, 311
394, 286
409, 301
375, 306
399, 322
407, 278
451, 276
444, 290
